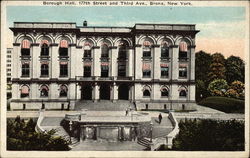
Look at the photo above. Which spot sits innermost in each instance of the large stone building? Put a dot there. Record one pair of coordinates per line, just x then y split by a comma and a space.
56, 65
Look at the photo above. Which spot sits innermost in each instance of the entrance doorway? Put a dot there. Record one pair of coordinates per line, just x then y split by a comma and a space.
104, 92
123, 92
86, 92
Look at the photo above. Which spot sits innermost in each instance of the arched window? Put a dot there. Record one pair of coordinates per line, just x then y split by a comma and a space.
146, 93
146, 49
24, 91
25, 70
164, 92
63, 91
105, 51
183, 48
164, 50
44, 91
183, 93
45, 48
63, 50
122, 54
44, 69
25, 49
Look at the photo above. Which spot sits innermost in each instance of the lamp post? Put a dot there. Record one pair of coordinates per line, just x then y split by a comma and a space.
151, 131
70, 130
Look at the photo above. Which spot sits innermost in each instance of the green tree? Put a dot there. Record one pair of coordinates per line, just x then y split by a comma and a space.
218, 87
203, 61
217, 68
210, 135
201, 90
235, 69
236, 90
22, 136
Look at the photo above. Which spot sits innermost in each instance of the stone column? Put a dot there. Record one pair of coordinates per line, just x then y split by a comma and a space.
35, 66
156, 62
96, 92
113, 58
15, 91
96, 64
73, 66
54, 91
34, 91
55, 68
192, 63
175, 62
115, 92
16, 68
78, 65
138, 62
78, 91
130, 62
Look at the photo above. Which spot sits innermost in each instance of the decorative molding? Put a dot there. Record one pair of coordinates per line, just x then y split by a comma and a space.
16, 44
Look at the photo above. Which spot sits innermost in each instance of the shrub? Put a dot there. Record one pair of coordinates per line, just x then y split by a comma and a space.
228, 105
210, 135
218, 87
22, 136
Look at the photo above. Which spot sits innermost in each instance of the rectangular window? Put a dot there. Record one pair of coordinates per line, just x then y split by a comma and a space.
146, 73
164, 52
25, 52
182, 55
104, 71
87, 53
44, 70
122, 70
183, 72
63, 70
164, 72
87, 71
25, 70
63, 52
146, 53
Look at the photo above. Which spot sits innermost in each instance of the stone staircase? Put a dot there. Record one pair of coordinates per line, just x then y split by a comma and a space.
144, 142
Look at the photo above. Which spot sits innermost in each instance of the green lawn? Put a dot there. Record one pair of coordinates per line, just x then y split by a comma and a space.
228, 105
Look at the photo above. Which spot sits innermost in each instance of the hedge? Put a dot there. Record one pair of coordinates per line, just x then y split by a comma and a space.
228, 105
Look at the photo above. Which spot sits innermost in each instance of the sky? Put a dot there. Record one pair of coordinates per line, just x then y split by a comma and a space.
222, 29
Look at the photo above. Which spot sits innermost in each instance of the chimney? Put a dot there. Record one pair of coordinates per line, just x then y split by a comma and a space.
85, 23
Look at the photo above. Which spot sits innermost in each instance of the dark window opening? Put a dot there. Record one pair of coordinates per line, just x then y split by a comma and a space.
87, 53
164, 93
105, 51
44, 70
25, 70
121, 70
63, 52
63, 70
44, 92
183, 93
183, 72
146, 73
182, 55
122, 53
146, 53
24, 95
45, 50
104, 71
164, 52
86, 71
63, 91
25, 52
146, 93
164, 72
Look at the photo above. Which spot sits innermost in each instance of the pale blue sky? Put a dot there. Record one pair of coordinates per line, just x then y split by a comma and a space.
213, 22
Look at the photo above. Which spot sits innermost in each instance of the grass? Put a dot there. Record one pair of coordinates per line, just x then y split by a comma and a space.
228, 105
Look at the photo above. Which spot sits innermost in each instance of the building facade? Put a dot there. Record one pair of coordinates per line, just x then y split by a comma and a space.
8, 71
57, 65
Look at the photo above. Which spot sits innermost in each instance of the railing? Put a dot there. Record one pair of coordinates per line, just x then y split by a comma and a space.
174, 132
38, 127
